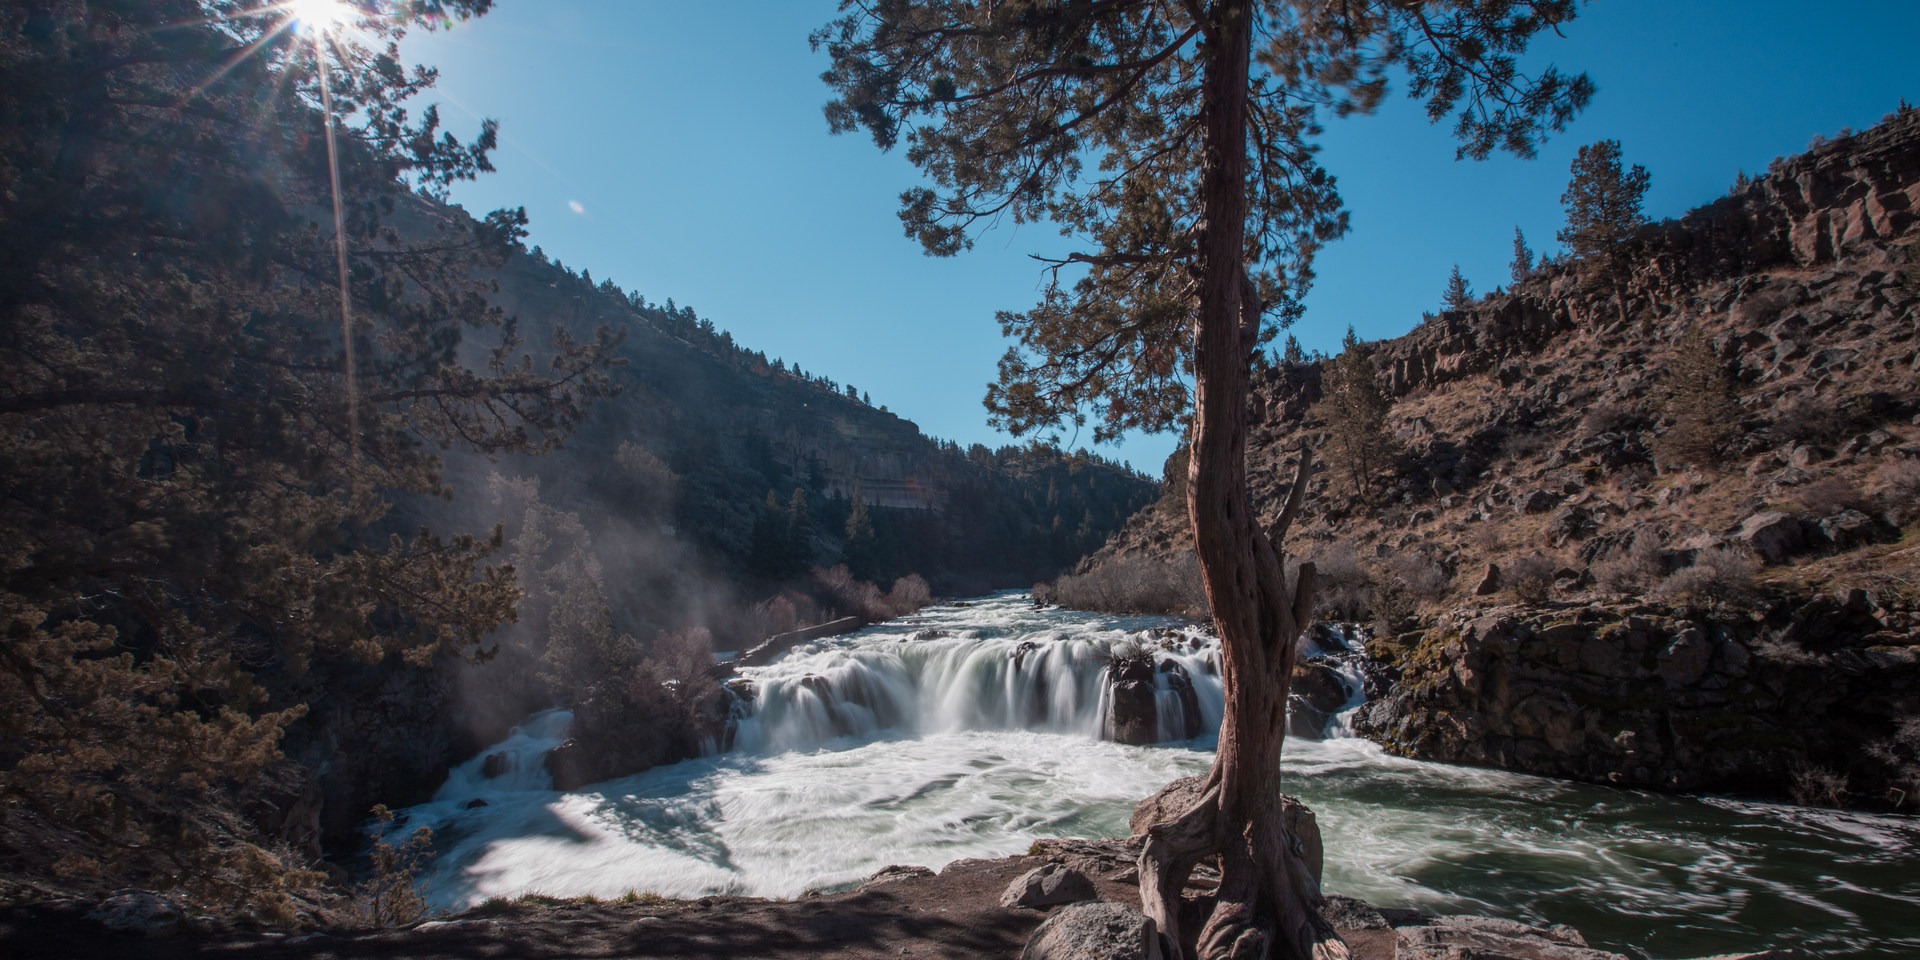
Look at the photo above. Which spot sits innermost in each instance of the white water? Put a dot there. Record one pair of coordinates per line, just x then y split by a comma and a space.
998, 665
937, 769
1342, 651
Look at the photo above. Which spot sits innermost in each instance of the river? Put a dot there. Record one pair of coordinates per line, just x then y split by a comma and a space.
970, 730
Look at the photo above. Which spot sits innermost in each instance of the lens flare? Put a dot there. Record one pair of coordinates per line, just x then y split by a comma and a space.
321, 16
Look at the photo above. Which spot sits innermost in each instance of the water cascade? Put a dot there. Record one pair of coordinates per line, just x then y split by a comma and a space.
971, 730
1007, 677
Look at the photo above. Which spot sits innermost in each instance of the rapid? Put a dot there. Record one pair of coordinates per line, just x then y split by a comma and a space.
971, 730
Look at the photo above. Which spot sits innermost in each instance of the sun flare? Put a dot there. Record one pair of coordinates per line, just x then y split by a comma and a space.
321, 16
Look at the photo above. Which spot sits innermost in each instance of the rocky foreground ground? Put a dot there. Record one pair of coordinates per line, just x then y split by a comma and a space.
1065, 900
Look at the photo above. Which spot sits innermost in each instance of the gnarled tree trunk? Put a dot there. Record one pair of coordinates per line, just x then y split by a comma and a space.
1268, 901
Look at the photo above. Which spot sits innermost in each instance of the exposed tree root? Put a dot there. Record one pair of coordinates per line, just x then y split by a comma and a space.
1268, 902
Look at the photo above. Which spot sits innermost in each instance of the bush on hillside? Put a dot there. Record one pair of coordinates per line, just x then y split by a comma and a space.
1343, 586
1899, 484
1636, 568
1717, 573
1529, 577
1132, 585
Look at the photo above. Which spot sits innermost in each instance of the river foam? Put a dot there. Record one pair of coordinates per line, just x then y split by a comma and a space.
935, 780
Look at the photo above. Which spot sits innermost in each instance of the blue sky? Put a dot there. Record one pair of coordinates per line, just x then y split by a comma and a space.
678, 148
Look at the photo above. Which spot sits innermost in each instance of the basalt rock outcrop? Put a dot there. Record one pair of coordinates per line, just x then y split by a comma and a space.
1799, 699
1538, 471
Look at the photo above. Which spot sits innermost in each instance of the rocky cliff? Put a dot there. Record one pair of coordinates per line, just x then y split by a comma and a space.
1537, 482
1815, 699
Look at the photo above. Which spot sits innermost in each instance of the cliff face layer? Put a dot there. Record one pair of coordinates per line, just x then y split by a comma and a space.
1538, 474
1811, 699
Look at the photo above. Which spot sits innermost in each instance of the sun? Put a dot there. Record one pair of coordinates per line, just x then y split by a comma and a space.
321, 16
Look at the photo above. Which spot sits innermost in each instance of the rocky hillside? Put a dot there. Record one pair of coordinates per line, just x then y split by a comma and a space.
676, 471
1539, 468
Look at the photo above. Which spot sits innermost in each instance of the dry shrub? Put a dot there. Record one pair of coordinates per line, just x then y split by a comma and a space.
1635, 569
1718, 573
1134, 585
1343, 589
1818, 787
1900, 756
668, 700
909, 593
1608, 417
1808, 420
390, 896
1830, 495
1486, 537
1422, 577
1780, 650
1523, 446
846, 595
1529, 577
1899, 491
1393, 605
1766, 306
776, 615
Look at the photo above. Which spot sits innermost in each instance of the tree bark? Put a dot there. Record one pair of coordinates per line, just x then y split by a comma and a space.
1268, 901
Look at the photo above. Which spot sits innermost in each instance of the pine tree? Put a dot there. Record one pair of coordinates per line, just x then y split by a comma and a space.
1522, 266
1457, 296
1152, 131
799, 531
1293, 353
858, 554
1699, 402
201, 452
1355, 409
1602, 201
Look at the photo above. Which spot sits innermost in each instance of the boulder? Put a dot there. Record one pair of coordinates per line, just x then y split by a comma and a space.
1134, 715
1046, 886
1773, 535
142, 912
1851, 528
1539, 501
496, 764
1318, 683
1571, 523
1094, 931
1489, 581
1806, 455
1485, 938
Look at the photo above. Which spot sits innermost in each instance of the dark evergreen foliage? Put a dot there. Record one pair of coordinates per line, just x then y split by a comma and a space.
1602, 201
1700, 404
1355, 409
197, 471
1457, 296
1522, 265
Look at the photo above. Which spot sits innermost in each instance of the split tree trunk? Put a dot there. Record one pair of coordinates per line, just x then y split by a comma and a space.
1268, 901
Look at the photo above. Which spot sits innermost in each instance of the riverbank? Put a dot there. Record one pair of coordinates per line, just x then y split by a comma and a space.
901, 912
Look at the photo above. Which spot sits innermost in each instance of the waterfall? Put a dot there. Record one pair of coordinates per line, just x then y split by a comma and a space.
983, 679
972, 724
514, 765
1341, 648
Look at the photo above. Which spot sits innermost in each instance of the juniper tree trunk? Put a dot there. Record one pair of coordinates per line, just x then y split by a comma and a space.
1268, 898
